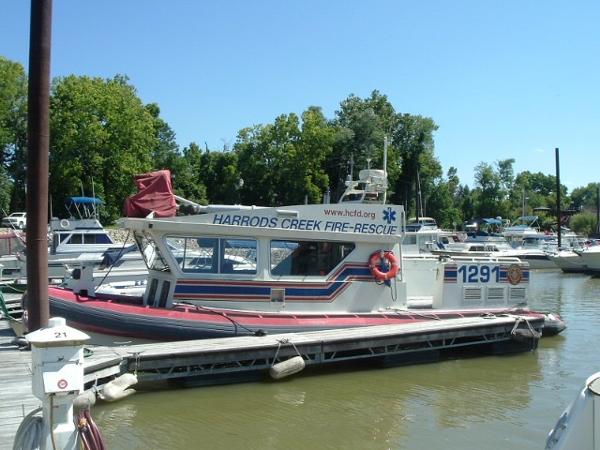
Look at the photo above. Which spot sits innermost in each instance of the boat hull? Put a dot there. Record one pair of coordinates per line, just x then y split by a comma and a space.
569, 262
129, 320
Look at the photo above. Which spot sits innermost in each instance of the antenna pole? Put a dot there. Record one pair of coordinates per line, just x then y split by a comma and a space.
94, 207
385, 150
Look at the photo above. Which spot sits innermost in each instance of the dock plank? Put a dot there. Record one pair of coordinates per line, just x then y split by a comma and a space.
16, 398
159, 361
346, 334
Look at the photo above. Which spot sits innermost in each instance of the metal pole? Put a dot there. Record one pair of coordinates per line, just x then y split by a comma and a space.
558, 197
598, 211
385, 152
38, 138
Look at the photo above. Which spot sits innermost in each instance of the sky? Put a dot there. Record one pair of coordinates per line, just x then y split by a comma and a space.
501, 79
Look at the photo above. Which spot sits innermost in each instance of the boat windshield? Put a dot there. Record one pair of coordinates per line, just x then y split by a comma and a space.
150, 252
214, 255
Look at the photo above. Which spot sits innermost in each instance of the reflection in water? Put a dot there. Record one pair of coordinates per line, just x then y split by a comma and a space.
477, 403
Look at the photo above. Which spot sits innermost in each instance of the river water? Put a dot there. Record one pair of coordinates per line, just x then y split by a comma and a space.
490, 402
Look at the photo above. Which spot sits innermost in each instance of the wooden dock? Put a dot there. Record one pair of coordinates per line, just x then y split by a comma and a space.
218, 360
16, 398
223, 360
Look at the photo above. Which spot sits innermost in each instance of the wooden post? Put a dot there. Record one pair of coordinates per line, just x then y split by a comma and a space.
38, 142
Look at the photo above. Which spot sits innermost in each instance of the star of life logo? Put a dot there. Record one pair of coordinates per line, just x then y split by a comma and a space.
389, 215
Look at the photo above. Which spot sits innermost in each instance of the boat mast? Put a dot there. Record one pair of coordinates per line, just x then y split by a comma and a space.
419, 197
385, 150
558, 197
598, 211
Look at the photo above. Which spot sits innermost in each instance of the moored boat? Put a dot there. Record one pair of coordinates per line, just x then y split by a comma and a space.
591, 259
569, 261
577, 426
242, 270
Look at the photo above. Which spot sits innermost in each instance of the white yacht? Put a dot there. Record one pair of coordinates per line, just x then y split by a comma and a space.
81, 240
591, 258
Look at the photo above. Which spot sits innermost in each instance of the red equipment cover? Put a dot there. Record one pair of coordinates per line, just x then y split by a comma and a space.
155, 194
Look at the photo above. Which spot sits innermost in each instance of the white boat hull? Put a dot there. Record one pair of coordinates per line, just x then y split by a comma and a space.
578, 428
591, 258
569, 261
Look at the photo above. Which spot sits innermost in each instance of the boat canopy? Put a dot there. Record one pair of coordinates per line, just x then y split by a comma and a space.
527, 219
84, 201
493, 221
155, 195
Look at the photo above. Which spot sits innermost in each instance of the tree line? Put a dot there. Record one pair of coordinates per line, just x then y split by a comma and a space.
102, 134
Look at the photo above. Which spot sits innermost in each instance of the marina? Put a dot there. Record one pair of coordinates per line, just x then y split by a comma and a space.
273, 293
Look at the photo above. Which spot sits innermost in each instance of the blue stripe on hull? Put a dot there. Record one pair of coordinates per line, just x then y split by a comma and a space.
261, 290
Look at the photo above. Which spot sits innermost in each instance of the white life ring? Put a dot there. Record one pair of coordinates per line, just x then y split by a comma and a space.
64, 223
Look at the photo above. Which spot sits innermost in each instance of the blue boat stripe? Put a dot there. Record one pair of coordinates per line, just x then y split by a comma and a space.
325, 289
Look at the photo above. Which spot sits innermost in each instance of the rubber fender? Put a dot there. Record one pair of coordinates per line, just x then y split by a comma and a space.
286, 368
118, 388
553, 325
85, 400
526, 335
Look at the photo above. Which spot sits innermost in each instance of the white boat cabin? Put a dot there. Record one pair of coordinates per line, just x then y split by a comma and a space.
311, 259
82, 232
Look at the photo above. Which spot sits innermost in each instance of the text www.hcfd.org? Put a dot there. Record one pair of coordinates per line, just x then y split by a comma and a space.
350, 213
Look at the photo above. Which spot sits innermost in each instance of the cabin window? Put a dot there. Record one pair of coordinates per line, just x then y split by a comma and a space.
152, 291
214, 255
410, 239
151, 253
307, 257
89, 238
102, 239
75, 239
164, 294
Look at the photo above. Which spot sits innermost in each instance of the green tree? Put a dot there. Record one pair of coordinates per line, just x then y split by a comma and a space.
102, 133
13, 135
165, 152
189, 179
360, 127
585, 197
537, 191
465, 203
304, 162
413, 137
259, 158
282, 163
584, 223
488, 195
221, 176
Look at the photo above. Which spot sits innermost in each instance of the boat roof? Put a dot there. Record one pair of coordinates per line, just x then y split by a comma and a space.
491, 221
84, 201
367, 223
